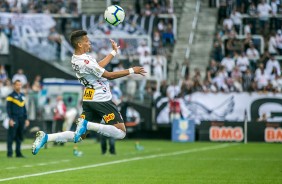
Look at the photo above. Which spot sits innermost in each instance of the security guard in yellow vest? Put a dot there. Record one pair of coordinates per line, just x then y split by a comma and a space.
18, 119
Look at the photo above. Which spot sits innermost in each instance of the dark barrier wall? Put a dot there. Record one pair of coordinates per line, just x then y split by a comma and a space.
145, 115
33, 66
234, 131
265, 131
4, 59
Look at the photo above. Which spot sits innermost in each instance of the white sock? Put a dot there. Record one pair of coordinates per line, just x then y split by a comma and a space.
66, 136
106, 130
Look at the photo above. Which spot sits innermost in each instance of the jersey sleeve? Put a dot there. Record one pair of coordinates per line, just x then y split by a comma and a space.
9, 106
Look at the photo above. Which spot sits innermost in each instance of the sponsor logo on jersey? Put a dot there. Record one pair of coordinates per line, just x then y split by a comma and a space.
86, 61
88, 94
109, 117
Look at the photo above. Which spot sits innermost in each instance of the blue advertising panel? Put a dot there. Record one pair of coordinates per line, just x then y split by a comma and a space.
183, 130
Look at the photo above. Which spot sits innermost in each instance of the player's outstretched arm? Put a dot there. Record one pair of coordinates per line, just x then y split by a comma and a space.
123, 73
104, 62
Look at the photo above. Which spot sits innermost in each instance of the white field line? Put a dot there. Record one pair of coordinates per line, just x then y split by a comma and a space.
120, 161
236, 159
11, 168
39, 164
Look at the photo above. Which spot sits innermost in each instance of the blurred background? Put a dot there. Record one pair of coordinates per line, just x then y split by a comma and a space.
214, 66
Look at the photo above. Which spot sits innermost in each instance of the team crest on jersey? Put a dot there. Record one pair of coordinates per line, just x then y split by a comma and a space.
104, 89
86, 61
82, 116
109, 117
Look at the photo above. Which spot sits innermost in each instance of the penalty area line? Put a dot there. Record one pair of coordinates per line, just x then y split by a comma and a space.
119, 161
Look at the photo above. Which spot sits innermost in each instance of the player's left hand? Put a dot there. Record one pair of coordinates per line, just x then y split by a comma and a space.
114, 45
139, 70
27, 123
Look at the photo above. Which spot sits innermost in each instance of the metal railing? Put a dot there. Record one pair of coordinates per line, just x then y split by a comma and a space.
194, 25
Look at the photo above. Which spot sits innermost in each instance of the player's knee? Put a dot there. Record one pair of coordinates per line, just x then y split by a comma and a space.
120, 135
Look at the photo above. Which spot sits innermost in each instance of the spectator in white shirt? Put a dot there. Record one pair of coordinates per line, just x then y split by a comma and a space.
227, 24
172, 91
272, 45
4, 43
279, 41
5, 89
262, 80
248, 29
243, 62
142, 48
219, 80
272, 63
274, 4
161, 26
264, 11
274, 10
252, 11
146, 61
253, 55
259, 70
236, 78
273, 75
158, 63
20, 76
228, 63
236, 17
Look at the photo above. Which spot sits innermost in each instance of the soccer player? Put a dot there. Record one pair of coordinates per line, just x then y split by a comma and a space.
97, 96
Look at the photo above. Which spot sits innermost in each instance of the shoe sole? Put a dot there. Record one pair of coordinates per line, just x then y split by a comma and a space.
78, 132
34, 146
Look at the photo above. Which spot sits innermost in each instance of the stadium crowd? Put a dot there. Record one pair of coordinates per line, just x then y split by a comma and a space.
6, 83
44, 6
246, 51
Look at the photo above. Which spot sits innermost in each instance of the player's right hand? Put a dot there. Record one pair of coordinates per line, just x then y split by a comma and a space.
114, 45
139, 70
11, 123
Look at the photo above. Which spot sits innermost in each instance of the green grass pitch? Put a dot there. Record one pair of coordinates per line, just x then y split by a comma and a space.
162, 162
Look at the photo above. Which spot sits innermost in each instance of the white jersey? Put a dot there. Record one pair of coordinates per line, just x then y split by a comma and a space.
89, 73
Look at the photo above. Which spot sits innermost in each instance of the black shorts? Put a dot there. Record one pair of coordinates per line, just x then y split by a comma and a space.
96, 111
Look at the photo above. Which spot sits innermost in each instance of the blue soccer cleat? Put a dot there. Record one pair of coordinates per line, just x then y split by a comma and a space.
81, 127
41, 139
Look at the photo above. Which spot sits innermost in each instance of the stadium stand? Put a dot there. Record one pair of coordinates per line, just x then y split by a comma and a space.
196, 45
243, 25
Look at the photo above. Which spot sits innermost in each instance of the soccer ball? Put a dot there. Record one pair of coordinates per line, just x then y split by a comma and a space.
114, 15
